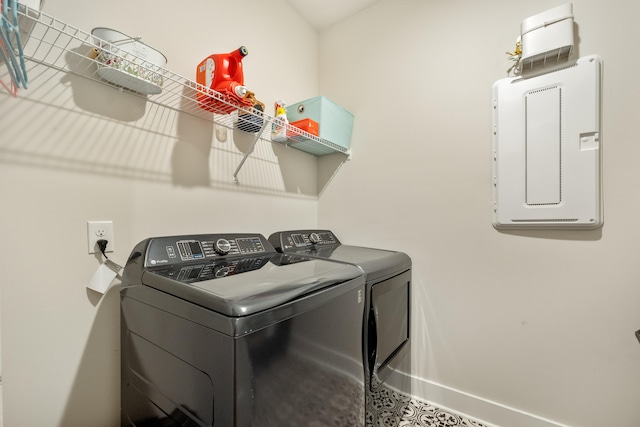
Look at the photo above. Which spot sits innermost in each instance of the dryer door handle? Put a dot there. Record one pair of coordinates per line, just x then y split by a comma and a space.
372, 341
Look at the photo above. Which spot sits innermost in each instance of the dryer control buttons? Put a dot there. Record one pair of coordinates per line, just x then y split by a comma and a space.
314, 238
249, 245
222, 246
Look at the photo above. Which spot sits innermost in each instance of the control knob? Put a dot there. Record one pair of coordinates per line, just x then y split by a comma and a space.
314, 238
222, 246
221, 271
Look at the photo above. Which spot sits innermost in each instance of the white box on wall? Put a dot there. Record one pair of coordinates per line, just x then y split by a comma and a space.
546, 149
547, 38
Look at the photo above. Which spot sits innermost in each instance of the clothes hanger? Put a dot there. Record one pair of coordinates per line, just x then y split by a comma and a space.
16, 30
11, 88
16, 67
4, 54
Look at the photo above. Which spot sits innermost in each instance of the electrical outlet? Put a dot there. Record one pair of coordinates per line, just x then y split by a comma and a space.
97, 230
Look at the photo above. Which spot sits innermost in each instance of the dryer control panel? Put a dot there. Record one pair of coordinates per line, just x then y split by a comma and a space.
300, 239
180, 249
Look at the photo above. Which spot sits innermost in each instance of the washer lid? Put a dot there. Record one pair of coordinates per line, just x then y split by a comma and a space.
243, 286
376, 263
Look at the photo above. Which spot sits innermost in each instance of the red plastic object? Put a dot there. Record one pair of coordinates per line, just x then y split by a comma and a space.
222, 72
306, 125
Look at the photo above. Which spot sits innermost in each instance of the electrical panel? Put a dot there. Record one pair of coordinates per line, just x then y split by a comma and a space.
547, 149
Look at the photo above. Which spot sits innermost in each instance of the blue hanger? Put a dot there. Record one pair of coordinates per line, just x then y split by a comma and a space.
17, 72
7, 57
23, 67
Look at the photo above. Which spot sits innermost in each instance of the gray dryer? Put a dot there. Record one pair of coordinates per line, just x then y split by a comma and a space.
386, 336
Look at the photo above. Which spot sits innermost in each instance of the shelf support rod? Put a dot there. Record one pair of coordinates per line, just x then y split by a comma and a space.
250, 150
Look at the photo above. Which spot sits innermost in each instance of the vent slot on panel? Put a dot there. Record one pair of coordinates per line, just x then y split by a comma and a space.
546, 220
543, 143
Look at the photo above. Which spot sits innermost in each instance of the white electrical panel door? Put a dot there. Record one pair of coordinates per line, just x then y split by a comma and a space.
546, 149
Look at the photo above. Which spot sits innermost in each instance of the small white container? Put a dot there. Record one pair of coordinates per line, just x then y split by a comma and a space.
127, 62
547, 38
279, 126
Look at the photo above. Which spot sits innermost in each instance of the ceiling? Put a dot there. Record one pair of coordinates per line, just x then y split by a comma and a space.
322, 14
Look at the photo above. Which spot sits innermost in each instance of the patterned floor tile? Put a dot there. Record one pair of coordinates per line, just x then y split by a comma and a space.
391, 409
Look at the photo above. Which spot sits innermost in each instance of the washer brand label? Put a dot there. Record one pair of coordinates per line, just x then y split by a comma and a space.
159, 261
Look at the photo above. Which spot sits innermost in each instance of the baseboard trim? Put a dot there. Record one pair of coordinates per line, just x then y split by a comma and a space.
490, 413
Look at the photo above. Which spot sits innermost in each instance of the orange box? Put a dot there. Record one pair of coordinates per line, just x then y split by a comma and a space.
306, 125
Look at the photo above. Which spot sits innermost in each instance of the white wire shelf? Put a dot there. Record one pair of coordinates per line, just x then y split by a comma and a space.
63, 47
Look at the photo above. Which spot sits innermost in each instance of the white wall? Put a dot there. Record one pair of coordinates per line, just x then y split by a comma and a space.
72, 151
538, 321
541, 322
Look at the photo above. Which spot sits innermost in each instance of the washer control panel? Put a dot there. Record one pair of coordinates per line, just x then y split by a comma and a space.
213, 269
180, 249
299, 239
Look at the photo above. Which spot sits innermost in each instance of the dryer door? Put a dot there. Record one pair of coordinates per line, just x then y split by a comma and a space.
388, 339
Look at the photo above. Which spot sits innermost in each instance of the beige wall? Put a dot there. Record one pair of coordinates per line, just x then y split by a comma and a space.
538, 321
73, 151
541, 322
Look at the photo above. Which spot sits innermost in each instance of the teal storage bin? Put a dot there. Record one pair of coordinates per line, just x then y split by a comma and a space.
334, 124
